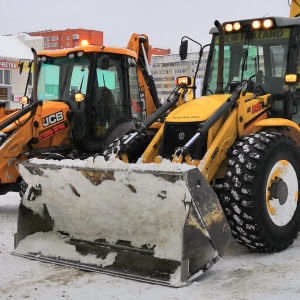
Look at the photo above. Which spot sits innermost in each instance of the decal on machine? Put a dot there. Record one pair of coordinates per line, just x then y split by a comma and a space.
213, 156
256, 107
53, 118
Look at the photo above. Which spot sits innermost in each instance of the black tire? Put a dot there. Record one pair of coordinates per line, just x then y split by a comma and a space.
134, 149
260, 191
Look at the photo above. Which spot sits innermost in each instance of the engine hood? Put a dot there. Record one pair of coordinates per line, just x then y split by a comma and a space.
197, 110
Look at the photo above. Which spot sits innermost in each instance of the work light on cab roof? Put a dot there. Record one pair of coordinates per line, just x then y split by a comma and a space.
255, 24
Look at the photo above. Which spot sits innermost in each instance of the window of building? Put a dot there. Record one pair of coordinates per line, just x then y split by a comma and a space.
46, 39
68, 38
54, 38
47, 45
5, 77
53, 45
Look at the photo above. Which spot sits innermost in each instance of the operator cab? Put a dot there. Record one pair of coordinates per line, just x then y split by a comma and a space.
98, 87
262, 50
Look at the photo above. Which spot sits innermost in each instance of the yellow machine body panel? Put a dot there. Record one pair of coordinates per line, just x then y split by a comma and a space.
48, 127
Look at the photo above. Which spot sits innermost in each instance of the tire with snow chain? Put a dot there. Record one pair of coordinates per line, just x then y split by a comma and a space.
260, 191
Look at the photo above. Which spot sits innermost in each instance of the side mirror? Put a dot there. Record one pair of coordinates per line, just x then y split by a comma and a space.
183, 49
21, 66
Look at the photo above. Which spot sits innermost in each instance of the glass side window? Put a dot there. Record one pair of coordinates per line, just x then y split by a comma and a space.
60, 78
137, 96
262, 56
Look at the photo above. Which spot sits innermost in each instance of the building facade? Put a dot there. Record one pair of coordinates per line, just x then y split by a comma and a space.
69, 38
158, 51
13, 50
166, 68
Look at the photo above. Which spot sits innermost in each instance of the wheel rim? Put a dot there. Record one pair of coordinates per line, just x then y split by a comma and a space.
282, 193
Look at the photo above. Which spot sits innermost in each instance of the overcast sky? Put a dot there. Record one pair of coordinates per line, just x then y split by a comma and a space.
164, 21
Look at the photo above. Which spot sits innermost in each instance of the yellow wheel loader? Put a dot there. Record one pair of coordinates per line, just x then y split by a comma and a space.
83, 98
227, 162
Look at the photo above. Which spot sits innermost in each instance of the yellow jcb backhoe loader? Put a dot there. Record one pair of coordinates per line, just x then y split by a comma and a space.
159, 219
83, 98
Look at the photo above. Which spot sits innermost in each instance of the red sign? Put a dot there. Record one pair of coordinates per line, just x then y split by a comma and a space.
6, 64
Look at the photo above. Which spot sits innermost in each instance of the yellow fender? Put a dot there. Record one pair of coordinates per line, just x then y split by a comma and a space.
293, 128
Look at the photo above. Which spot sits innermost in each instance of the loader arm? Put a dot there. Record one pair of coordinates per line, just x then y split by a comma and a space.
24, 134
122, 145
16, 132
140, 45
182, 153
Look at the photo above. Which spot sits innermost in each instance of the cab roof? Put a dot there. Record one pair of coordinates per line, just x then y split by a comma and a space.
279, 21
88, 49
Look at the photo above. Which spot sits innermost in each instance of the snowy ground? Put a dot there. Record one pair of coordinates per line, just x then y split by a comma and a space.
241, 274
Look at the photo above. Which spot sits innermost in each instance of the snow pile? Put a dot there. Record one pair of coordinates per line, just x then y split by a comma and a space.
140, 203
241, 274
99, 162
53, 245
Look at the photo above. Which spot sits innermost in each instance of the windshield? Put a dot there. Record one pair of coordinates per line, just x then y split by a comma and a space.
61, 77
261, 54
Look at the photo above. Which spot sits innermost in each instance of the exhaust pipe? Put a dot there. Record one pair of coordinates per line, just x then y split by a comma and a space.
220, 79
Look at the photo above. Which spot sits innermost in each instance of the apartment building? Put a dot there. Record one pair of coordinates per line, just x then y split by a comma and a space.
166, 68
68, 38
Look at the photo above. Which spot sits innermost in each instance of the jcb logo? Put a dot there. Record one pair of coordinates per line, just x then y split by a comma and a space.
52, 119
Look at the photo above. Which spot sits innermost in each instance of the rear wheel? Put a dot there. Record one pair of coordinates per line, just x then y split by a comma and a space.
260, 192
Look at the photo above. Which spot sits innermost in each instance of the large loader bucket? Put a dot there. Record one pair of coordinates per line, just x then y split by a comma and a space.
155, 223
